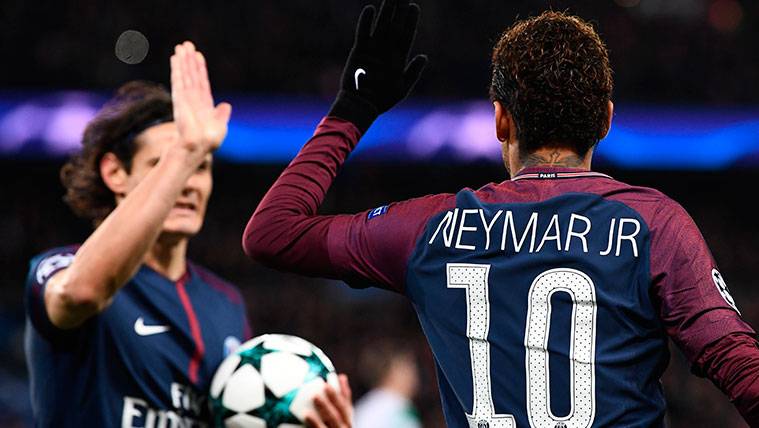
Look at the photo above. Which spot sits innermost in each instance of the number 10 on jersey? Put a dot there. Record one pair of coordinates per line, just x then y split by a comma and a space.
474, 279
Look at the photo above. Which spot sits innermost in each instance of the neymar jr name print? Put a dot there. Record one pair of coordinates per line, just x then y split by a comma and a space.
533, 232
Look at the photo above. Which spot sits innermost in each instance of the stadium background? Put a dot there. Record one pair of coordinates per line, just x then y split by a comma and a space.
688, 69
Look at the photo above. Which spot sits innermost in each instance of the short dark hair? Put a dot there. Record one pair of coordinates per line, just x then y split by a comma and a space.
136, 106
552, 73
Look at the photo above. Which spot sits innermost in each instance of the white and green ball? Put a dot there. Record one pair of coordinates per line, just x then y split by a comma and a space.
269, 382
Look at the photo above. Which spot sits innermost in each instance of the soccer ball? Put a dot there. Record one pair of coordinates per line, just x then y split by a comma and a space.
269, 382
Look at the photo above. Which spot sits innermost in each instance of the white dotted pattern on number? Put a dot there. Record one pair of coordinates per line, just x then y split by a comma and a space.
582, 291
474, 279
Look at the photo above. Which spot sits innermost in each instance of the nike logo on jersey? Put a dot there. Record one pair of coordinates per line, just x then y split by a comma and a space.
358, 72
148, 330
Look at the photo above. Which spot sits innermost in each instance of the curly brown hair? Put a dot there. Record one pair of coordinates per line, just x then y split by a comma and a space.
552, 73
136, 106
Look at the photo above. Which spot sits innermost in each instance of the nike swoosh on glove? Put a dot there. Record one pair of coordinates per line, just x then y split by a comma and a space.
378, 74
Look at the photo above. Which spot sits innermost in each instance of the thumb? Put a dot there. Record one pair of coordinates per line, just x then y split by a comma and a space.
223, 112
413, 72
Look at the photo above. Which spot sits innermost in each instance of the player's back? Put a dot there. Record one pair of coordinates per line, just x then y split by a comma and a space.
540, 302
547, 300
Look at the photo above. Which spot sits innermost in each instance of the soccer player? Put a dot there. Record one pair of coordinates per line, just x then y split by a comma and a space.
123, 331
547, 299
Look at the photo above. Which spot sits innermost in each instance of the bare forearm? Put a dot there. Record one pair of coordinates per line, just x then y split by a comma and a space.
112, 254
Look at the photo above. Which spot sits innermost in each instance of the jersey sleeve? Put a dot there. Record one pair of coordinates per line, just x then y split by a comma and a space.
369, 248
373, 247
695, 304
699, 313
41, 269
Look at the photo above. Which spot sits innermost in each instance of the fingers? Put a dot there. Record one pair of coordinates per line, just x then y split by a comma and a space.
345, 388
203, 83
342, 406
188, 67
399, 18
198, 120
327, 411
313, 421
333, 409
187, 57
179, 68
223, 112
407, 31
189, 76
364, 28
200, 72
176, 75
385, 19
414, 71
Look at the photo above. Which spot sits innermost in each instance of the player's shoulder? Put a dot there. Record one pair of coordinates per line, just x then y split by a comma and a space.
221, 287
47, 263
63, 250
652, 204
508, 192
432, 202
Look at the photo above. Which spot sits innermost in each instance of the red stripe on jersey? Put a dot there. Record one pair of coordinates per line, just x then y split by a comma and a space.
197, 337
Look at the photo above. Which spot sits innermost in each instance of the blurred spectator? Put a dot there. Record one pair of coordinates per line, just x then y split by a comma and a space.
393, 371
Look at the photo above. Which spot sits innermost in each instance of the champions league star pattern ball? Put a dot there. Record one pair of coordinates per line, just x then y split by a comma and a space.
269, 382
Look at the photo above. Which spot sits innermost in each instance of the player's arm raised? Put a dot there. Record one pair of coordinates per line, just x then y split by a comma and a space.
285, 232
113, 253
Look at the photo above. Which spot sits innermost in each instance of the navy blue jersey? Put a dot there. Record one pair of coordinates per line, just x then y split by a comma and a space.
548, 300
145, 361
548, 304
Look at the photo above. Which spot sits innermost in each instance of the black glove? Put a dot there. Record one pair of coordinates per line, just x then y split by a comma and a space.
378, 74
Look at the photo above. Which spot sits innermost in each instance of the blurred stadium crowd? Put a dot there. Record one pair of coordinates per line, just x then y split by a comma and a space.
663, 51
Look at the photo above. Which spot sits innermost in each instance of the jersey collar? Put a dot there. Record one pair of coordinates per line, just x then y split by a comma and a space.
550, 173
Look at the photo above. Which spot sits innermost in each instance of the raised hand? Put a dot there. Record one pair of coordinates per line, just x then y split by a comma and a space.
378, 73
202, 127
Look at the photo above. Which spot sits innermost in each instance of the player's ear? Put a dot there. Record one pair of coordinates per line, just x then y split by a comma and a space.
502, 122
114, 174
610, 111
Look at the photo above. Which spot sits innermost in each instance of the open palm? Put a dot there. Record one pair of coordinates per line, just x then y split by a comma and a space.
202, 126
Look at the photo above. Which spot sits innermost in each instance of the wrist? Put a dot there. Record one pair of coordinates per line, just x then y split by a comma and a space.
355, 109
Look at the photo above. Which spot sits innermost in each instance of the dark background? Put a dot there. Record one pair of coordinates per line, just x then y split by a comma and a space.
664, 52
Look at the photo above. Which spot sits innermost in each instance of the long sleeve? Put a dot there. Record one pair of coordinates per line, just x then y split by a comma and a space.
286, 215
368, 248
732, 364
699, 313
